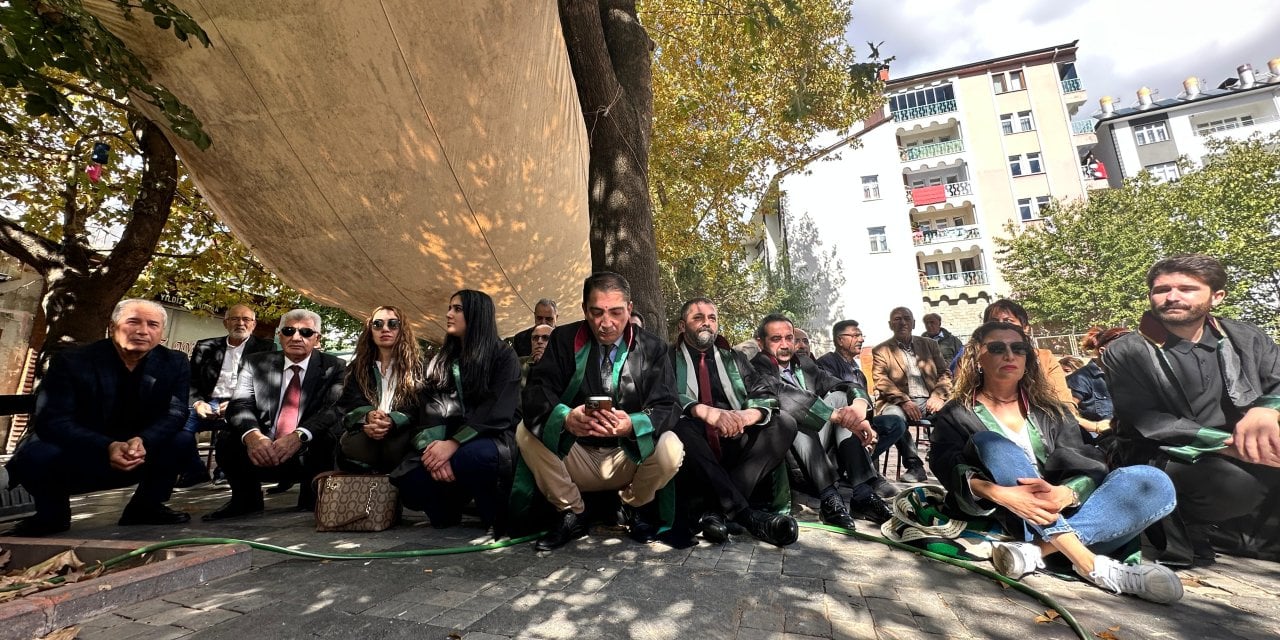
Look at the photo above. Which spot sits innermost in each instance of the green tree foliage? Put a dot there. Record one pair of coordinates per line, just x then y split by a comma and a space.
740, 90
1087, 264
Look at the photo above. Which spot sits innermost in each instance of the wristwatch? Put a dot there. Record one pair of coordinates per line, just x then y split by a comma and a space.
302, 436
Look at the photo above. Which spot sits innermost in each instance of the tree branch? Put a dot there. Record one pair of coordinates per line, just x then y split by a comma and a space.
149, 212
34, 250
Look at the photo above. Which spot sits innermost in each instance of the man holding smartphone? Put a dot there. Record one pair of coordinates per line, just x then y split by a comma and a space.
598, 410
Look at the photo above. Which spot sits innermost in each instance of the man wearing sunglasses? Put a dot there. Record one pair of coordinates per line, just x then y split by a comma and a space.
544, 312
1197, 395
215, 363
280, 418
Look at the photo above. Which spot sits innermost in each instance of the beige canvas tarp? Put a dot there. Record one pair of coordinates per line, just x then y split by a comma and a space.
387, 152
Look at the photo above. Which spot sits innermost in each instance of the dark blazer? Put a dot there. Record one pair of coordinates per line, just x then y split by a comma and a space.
206, 363
257, 398
646, 385
522, 342
954, 460
805, 405
78, 394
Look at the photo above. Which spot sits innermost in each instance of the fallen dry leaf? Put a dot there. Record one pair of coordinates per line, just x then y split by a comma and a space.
1191, 581
4, 558
67, 633
1109, 633
104, 587
1048, 616
54, 566
426, 571
454, 635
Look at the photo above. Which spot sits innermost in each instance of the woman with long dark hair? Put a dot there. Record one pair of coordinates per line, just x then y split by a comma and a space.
468, 414
1006, 447
380, 397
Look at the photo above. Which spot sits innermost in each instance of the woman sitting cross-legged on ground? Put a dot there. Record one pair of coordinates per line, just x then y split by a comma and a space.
379, 400
469, 408
1006, 448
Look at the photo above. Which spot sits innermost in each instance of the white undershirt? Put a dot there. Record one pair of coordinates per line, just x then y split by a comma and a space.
387, 388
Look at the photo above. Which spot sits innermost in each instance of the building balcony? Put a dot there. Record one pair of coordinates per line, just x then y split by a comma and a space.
1082, 127
934, 194
931, 150
924, 111
954, 280
1072, 85
950, 234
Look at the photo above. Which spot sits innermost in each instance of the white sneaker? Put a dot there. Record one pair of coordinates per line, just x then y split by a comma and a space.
1152, 582
1016, 559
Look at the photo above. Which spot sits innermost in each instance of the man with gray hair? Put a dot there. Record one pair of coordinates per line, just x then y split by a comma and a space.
280, 418
544, 312
108, 414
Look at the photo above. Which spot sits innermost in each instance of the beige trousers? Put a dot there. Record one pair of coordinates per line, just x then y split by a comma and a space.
599, 469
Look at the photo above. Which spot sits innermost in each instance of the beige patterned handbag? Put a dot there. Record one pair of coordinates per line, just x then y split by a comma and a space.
355, 502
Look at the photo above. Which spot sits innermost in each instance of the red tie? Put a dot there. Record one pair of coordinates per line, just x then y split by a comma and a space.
704, 397
287, 422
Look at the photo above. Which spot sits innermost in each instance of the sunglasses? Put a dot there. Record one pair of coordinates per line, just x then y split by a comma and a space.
1000, 348
390, 324
306, 332
541, 338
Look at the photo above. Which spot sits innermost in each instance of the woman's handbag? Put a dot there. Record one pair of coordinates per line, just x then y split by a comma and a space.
355, 502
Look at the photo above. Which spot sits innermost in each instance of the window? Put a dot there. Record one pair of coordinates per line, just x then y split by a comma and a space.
1214, 126
1024, 208
1150, 133
1030, 210
1006, 123
1033, 160
870, 187
1015, 81
997, 83
1015, 165
1042, 205
957, 222
1025, 123
879, 243
941, 95
1164, 172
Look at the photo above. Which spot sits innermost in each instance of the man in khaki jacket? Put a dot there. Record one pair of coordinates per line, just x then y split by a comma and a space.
911, 380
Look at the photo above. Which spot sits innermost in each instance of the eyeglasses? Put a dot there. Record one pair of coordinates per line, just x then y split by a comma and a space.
306, 332
1000, 348
392, 324
849, 335
244, 319
541, 338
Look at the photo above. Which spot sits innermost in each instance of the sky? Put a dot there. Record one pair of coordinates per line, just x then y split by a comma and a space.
1124, 44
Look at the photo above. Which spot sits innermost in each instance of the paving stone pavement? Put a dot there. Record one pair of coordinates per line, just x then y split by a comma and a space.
605, 586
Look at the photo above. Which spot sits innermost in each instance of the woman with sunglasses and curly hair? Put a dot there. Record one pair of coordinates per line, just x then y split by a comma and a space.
468, 414
379, 400
1005, 447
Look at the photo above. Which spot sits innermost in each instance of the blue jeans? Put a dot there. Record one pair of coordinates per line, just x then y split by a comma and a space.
194, 425
1129, 500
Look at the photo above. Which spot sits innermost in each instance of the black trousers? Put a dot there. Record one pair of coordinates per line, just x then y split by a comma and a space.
744, 461
1211, 490
52, 473
478, 474
246, 478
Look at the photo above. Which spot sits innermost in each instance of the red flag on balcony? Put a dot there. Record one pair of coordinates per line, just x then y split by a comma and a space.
929, 195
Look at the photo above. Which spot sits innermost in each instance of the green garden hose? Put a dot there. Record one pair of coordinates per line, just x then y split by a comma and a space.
419, 553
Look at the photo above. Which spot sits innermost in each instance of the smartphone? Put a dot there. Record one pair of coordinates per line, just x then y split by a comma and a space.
599, 403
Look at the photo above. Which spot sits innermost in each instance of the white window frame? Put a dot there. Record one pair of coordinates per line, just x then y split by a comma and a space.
1015, 77
1025, 121
1025, 212
1151, 133
1035, 163
1006, 123
879, 240
1042, 204
1164, 172
998, 83
871, 187
1015, 166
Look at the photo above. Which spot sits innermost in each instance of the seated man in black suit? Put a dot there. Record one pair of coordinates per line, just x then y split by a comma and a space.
281, 418
215, 362
108, 414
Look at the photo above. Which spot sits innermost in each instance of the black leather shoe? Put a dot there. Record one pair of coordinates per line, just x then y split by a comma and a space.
188, 480
871, 508
37, 527
279, 488
773, 528
714, 528
914, 474
639, 528
232, 509
832, 512
883, 488
157, 514
572, 526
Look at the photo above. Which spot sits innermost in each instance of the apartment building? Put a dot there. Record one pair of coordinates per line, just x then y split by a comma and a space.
1151, 135
914, 201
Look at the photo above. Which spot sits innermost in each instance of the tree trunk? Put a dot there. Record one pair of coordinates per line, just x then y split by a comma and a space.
611, 56
80, 292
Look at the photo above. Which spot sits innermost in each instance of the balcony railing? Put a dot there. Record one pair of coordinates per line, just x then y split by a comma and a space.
950, 234
1080, 127
1072, 84
933, 194
931, 150
1224, 126
925, 110
955, 280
